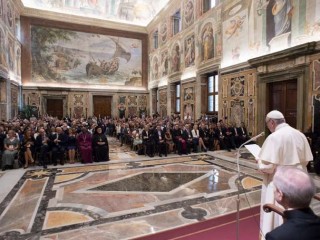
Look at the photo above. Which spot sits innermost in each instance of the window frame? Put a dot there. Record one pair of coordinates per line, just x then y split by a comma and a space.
177, 98
155, 39
176, 17
207, 5
214, 93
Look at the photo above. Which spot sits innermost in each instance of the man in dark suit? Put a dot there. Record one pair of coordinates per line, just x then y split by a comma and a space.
148, 141
59, 146
294, 190
243, 133
42, 147
220, 133
160, 141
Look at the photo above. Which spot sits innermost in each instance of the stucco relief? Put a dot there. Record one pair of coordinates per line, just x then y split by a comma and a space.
281, 66
237, 112
34, 99
251, 85
237, 86
316, 74
188, 13
224, 87
132, 100
163, 32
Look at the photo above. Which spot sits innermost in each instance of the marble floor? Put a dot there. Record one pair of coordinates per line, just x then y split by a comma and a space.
126, 198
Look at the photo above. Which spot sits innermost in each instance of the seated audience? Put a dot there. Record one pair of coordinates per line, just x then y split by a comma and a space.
294, 190
11, 146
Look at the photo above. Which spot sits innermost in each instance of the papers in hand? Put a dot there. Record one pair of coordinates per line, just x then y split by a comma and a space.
254, 149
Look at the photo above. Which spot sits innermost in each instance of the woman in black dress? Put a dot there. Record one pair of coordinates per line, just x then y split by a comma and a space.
100, 145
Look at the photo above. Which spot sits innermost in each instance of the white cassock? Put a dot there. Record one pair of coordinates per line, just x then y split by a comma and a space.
286, 146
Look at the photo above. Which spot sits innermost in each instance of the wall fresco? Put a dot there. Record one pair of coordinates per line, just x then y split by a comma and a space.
64, 56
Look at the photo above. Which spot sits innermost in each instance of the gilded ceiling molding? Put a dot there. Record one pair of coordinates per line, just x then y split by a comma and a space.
48, 15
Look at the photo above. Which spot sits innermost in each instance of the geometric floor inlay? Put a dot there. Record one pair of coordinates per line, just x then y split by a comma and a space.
150, 182
125, 199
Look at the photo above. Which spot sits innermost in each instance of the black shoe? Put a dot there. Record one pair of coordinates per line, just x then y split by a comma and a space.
165, 155
205, 150
3, 169
54, 164
160, 155
45, 167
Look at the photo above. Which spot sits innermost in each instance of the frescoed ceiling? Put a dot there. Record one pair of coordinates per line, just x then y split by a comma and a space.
136, 12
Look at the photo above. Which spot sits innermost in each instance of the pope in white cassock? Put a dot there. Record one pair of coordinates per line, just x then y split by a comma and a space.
285, 146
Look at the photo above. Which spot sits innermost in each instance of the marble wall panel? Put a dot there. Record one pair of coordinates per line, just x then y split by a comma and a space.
239, 99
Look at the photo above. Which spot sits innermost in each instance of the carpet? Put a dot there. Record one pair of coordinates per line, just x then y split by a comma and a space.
221, 228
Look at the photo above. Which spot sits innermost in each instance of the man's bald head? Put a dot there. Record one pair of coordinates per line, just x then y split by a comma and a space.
296, 186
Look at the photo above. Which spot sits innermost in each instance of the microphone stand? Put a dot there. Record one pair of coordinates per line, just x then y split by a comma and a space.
238, 180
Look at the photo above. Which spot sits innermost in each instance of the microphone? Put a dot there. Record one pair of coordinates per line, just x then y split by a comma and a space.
252, 139
238, 181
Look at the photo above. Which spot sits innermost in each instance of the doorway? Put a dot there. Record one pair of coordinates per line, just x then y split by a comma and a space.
282, 96
55, 107
102, 106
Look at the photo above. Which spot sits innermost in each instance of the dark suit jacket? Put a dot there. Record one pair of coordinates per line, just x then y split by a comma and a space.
301, 224
156, 136
147, 138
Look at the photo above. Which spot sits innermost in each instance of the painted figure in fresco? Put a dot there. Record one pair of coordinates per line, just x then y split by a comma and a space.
164, 32
188, 13
282, 11
164, 64
190, 55
234, 26
155, 68
207, 43
176, 59
3, 60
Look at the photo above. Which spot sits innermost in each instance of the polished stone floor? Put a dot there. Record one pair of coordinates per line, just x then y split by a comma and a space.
128, 197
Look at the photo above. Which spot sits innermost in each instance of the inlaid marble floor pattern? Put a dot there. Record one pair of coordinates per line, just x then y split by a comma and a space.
123, 199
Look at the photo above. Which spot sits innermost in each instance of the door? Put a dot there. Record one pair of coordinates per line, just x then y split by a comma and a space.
283, 97
55, 107
102, 106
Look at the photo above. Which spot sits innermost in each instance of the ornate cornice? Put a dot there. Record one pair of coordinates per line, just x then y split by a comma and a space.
287, 54
18, 5
48, 15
